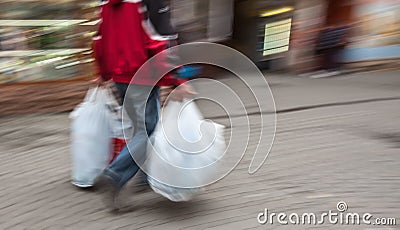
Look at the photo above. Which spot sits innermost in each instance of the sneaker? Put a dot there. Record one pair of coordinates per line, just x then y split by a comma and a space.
108, 190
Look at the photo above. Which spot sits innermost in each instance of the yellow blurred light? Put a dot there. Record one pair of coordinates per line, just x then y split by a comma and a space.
276, 11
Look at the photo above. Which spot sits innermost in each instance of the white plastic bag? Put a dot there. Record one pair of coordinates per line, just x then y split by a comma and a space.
184, 152
122, 125
91, 132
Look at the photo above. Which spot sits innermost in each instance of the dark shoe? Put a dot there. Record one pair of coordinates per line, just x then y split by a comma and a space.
109, 191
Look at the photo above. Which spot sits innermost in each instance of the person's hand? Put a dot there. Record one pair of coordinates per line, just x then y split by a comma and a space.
181, 92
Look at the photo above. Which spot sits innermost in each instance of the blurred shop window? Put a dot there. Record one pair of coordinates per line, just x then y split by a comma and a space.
46, 41
277, 37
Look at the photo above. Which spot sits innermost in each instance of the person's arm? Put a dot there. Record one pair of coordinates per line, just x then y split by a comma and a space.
98, 55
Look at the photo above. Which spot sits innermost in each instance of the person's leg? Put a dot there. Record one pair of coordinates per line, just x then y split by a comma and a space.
337, 52
152, 108
144, 115
325, 59
121, 88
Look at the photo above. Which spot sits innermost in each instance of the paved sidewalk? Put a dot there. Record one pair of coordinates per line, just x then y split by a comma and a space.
337, 139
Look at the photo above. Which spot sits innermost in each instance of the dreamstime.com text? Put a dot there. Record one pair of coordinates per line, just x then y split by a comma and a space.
336, 217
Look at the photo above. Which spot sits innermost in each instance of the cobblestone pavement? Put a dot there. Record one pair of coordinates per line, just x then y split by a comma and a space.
337, 140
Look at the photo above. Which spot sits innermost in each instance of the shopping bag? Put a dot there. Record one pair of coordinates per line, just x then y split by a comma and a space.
91, 135
183, 152
117, 145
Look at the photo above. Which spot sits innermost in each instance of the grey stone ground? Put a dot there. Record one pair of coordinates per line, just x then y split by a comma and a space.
337, 139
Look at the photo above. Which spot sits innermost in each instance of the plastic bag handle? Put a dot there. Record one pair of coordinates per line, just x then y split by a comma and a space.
96, 89
94, 94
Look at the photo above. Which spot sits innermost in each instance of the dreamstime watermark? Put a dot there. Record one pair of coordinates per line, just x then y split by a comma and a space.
339, 216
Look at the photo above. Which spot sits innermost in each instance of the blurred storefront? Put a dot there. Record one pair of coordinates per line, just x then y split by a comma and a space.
376, 32
262, 30
45, 56
373, 36
283, 35
46, 40
310, 18
203, 20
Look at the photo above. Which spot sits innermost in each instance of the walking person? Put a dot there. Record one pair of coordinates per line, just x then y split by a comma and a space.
127, 39
330, 45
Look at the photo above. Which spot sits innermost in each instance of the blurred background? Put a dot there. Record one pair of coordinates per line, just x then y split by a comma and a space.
333, 69
49, 42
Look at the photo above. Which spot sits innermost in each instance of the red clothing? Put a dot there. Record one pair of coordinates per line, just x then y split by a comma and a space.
123, 45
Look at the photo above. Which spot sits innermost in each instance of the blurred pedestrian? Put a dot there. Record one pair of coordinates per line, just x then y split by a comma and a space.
127, 39
332, 41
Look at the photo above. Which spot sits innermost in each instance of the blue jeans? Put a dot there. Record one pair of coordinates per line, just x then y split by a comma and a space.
144, 113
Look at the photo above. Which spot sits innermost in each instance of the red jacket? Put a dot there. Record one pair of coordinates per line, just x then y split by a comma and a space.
124, 45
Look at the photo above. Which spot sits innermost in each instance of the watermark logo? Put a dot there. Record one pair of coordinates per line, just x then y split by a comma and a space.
248, 105
341, 206
340, 216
